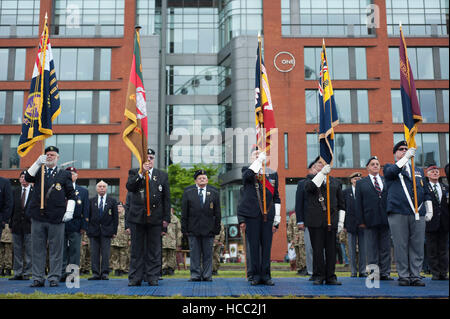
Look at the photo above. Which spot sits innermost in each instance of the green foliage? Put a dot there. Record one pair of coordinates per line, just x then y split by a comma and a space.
180, 178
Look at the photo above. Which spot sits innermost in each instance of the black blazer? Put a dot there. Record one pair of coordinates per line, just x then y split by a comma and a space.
249, 206
20, 222
440, 210
5, 201
350, 223
159, 192
106, 225
300, 202
56, 203
371, 208
197, 220
314, 215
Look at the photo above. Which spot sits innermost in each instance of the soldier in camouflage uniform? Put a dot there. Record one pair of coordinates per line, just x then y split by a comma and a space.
119, 245
6, 251
218, 244
343, 241
85, 259
171, 241
296, 237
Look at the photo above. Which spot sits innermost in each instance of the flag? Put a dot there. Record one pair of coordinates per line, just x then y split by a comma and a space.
328, 113
43, 104
264, 115
135, 133
411, 109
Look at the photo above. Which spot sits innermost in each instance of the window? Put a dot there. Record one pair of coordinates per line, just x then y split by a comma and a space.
324, 18
433, 106
418, 18
429, 68
148, 16
193, 80
19, 18
12, 64
431, 148
11, 107
350, 150
195, 118
352, 106
77, 64
88, 18
84, 107
350, 63
81, 150
8, 152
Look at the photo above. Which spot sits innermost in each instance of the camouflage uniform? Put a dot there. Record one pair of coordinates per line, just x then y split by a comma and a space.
85, 259
298, 237
119, 247
6, 250
343, 239
218, 244
170, 242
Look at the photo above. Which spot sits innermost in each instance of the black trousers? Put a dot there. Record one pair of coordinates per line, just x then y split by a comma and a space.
100, 252
145, 256
259, 237
324, 264
437, 251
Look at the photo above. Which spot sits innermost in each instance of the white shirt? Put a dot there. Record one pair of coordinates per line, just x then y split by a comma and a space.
353, 191
380, 182
104, 201
150, 172
27, 192
204, 193
438, 188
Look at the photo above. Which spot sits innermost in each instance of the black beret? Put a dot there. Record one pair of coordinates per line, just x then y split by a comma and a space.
199, 172
150, 152
314, 162
23, 172
52, 149
397, 146
370, 160
72, 169
355, 174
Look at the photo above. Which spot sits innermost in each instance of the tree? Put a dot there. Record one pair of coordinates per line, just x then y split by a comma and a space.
180, 178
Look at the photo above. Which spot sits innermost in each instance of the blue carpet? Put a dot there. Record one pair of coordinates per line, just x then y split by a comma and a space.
234, 287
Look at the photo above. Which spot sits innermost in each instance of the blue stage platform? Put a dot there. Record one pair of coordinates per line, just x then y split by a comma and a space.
236, 287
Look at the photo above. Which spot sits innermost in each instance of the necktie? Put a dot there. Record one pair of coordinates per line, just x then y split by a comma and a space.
22, 198
49, 172
200, 196
377, 186
436, 193
100, 207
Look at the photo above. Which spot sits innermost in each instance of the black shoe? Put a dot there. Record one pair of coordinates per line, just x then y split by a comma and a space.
8, 272
313, 278
95, 278
333, 282
214, 273
37, 283
54, 283
250, 278
319, 281
26, 277
117, 273
302, 272
195, 279
386, 278
255, 282
354, 275
403, 282
105, 277
134, 283
207, 279
268, 282
362, 275
17, 277
417, 283
443, 277
63, 278
153, 283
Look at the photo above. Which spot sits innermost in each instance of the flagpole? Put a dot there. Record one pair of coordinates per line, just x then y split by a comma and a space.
331, 115
41, 100
413, 171
263, 132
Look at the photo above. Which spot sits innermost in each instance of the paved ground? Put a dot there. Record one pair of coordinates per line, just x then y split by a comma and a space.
234, 287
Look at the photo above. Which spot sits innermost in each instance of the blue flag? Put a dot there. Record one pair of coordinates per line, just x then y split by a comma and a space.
43, 104
328, 113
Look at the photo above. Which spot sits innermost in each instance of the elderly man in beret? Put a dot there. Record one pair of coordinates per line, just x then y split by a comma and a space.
200, 221
147, 227
47, 224
436, 231
372, 217
407, 227
356, 236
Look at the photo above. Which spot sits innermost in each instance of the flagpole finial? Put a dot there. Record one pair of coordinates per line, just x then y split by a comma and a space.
46, 16
137, 27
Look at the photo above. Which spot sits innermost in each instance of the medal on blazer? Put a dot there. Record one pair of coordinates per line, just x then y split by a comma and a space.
211, 205
79, 201
109, 212
58, 186
160, 188
154, 178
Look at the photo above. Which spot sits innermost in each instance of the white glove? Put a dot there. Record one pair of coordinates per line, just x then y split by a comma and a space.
277, 218
256, 165
42, 159
411, 152
429, 209
68, 216
320, 177
341, 221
